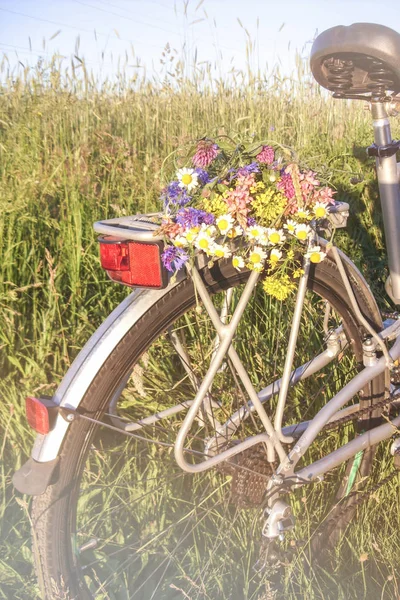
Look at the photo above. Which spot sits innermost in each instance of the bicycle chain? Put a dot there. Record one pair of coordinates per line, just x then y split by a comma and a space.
356, 415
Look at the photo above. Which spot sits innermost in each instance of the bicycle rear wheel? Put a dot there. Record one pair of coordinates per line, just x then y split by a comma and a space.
122, 520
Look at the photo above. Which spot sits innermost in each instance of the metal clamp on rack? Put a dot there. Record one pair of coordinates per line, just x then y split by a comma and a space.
384, 151
337, 218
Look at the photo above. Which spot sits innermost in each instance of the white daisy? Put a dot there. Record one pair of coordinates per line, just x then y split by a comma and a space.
225, 223
220, 251
315, 255
302, 213
235, 232
276, 236
191, 234
302, 231
238, 262
321, 210
204, 242
208, 229
255, 232
188, 178
275, 255
180, 241
290, 226
263, 240
256, 258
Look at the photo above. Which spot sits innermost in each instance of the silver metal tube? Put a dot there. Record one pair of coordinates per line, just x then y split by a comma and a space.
228, 428
332, 407
207, 405
225, 333
241, 371
185, 360
79, 377
355, 306
389, 191
361, 442
294, 331
298, 429
168, 412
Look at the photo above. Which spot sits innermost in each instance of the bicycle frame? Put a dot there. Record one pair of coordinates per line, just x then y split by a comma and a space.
389, 190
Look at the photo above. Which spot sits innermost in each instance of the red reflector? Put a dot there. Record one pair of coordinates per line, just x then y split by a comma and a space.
145, 264
114, 256
133, 263
37, 415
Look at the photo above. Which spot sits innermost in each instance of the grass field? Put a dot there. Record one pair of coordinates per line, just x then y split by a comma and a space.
72, 153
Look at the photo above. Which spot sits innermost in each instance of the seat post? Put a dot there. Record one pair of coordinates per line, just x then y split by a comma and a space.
389, 191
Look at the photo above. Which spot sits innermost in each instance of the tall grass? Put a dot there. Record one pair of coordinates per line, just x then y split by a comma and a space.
73, 151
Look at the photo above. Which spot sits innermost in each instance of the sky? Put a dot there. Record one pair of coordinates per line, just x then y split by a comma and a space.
137, 32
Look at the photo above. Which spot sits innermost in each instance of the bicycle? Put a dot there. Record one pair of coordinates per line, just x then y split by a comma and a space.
180, 524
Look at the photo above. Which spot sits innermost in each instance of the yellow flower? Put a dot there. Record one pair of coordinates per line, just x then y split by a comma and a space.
215, 205
278, 285
258, 187
268, 206
298, 273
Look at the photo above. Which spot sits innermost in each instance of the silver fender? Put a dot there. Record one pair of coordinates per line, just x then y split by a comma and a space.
93, 355
89, 360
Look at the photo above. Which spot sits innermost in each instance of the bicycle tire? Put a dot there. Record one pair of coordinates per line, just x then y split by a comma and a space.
54, 512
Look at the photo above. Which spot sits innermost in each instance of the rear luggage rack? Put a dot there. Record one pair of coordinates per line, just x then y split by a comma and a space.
140, 228
131, 249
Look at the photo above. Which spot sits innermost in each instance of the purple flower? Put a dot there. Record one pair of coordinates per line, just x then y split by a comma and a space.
286, 185
208, 218
192, 217
174, 258
206, 152
203, 176
266, 156
251, 168
175, 195
250, 222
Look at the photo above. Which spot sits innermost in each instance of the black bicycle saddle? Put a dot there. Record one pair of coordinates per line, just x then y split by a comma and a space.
362, 60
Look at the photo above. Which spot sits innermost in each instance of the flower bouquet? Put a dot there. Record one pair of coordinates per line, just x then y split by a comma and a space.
247, 204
